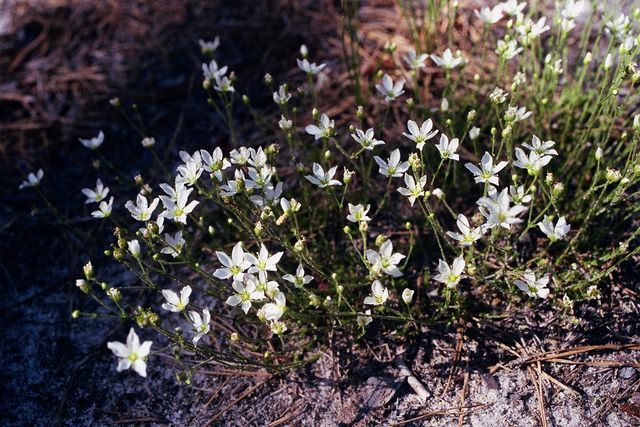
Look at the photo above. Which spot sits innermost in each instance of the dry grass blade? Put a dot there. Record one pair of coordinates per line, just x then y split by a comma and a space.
447, 411
289, 414
235, 401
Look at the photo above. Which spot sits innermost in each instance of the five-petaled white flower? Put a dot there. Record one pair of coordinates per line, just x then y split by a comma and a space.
488, 15
388, 89
174, 302
384, 260
208, 47
508, 50
379, 294
533, 163
322, 179
467, 235
214, 162
300, 279
413, 189
142, 210
541, 148
447, 60
33, 179
358, 213
554, 232
234, 266
421, 134
450, 276
132, 354
263, 262
174, 244
104, 209
281, 97
324, 129
512, 7
498, 212
488, 172
97, 195
448, 148
201, 324
245, 294
366, 139
415, 61
518, 195
310, 68
93, 143
274, 310
535, 288
175, 203
392, 167
211, 70
515, 114
530, 30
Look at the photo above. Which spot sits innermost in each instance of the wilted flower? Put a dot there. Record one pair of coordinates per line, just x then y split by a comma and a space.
363, 319
533, 287
132, 354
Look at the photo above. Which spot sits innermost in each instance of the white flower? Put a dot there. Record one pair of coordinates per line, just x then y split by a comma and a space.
310, 68
214, 162
358, 213
450, 276
189, 172
532, 163
174, 302
392, 167
208, 47
211, 70
515, 114
407, 296
240, 156
366, 139
33, 179
324, 128
245, 294
415, 61
289, 206
619, 26
385, 260
132, 354
447, 60
421, 134
388, 89
489, 16
268, 287
97, 195
234, 266
518, 195
467, 235
223, 84
363, 319
175, 204
141, 210
104, 209
258, 178
530, 30
93, 143
497, 211
448, 148
274, 310
535, 288
508, 50
263, 262
414, 189
148, 141
498, 96
379, 294
174, 244
488, 172
573, 8
541, 148
201, 324
271, 195
474, 132
284, 123
512, 7
134, 248
444, 105
300, 279
277, 327
322, 179
281, 97
557, 232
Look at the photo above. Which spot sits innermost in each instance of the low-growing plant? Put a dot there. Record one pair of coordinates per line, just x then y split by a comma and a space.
514, 183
